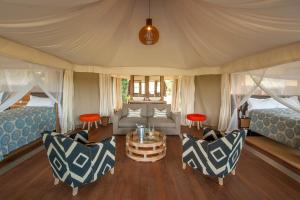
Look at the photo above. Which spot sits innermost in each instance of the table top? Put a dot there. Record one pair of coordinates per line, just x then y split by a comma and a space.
149, 138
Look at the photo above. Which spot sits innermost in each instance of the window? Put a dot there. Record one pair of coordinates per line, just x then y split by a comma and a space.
136, 87
152, 87
143, 88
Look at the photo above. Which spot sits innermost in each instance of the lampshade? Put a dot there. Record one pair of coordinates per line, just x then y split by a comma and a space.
149, 34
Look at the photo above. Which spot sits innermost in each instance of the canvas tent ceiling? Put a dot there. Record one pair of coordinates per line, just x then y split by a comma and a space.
193, 34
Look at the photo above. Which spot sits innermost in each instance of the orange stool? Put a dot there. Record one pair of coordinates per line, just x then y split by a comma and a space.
199, 118
89, 119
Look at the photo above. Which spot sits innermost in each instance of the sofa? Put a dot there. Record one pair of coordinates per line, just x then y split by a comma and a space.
123, 124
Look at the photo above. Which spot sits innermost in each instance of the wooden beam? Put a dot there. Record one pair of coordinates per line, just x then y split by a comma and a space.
147, 78
162, 87
131, 86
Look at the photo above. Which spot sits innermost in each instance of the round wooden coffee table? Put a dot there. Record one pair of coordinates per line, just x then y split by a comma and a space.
152, 148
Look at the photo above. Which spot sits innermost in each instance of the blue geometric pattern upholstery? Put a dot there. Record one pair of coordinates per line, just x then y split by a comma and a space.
211, 134
279, 124
76, 162
21, 126
216, 158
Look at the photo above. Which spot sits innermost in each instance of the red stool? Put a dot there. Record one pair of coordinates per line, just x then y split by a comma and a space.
89, 118
199, 118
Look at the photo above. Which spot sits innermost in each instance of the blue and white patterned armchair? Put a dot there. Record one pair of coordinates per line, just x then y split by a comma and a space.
217, 158
76, 162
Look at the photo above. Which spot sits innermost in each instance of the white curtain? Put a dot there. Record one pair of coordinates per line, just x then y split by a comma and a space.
20, 77
276, 82
68, 99
117, 93
175, 105
187, 93
225, 109
106, 95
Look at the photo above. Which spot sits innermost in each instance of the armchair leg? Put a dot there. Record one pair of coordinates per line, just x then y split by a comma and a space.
75, 191
112, 171
183, 165
220, 181
233, 172
56, 181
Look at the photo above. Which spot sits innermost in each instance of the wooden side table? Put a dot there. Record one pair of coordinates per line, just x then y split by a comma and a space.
245, 122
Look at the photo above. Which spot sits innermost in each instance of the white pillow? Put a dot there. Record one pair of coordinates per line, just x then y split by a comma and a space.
154, 98
254, 104
294, 101
138, 98
134, 113
270, 103
40, 102
160, 113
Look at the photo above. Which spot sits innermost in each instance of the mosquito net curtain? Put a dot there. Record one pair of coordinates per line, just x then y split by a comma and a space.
17, 78
277, 82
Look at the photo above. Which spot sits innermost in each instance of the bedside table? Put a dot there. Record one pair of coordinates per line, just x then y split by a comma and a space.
245, 122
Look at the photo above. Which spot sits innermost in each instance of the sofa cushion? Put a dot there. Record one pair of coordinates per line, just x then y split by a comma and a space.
130, 122
150, 110
134, 107
161, 122
134, 113
160, 113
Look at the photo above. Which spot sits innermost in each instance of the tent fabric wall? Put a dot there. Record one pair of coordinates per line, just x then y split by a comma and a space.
142, 70
207, 97
207, 33
23, 52
86, 94
264, 59
269, 58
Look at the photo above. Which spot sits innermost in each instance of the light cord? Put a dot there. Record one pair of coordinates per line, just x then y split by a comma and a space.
149, 8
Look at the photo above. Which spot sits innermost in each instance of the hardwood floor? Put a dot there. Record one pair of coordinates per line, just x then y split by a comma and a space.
163, 179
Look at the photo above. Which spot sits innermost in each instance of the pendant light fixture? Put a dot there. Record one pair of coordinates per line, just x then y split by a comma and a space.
149, 34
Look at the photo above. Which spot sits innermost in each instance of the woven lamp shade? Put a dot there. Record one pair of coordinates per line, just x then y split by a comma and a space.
149, 34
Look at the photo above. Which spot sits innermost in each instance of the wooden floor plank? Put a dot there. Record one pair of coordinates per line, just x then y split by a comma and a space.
163, 179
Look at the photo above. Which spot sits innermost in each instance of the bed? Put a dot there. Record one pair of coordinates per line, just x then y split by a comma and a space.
279, 124
22, 126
